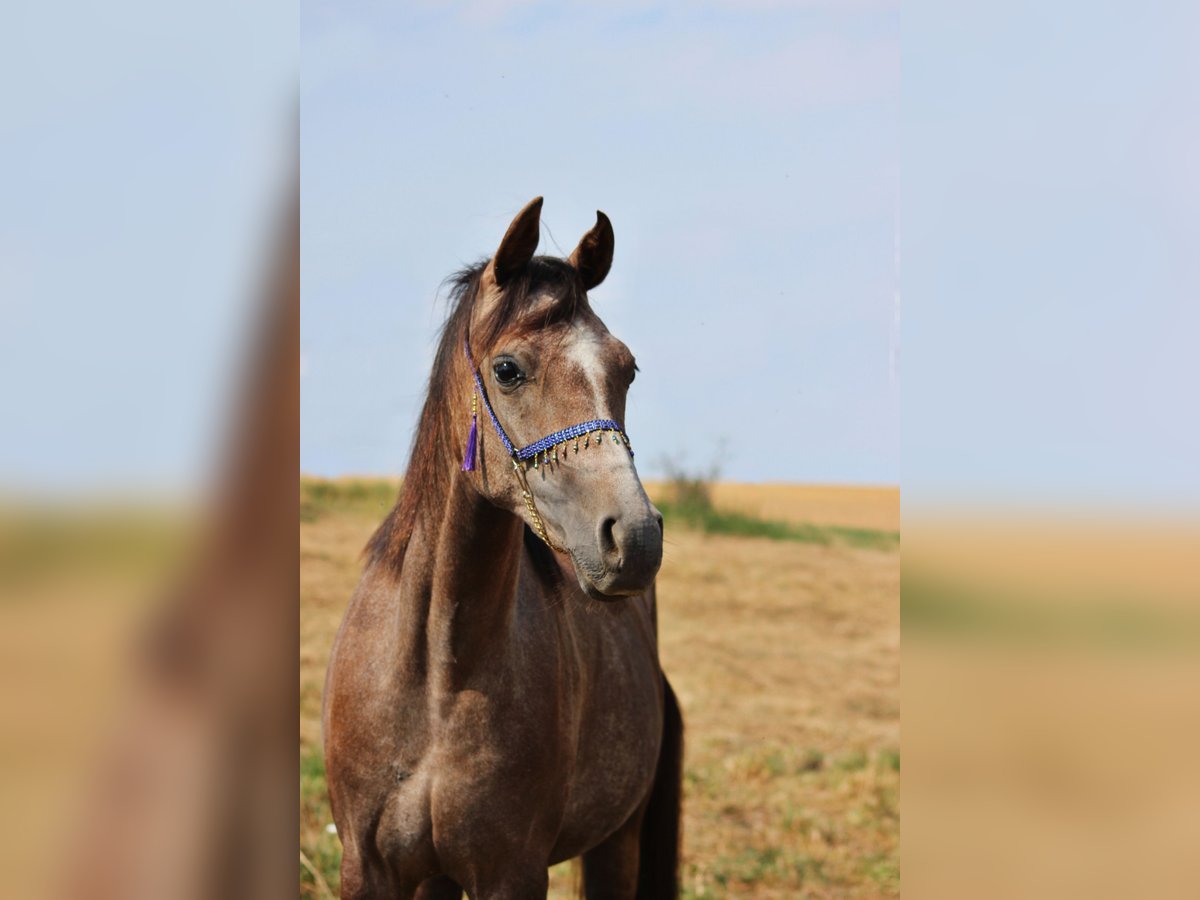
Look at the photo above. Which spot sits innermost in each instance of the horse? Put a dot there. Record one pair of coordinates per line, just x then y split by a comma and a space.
494, 702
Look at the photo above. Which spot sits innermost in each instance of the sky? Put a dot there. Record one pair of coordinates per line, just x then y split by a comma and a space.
1020, 200
1050, 222
139, 188
747, 155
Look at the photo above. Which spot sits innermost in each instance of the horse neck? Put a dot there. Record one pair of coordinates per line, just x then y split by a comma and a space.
464, 578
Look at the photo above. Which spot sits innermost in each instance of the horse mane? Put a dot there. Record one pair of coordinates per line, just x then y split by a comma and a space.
437, 439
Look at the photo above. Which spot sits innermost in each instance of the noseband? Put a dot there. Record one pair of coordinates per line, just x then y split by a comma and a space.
540, 452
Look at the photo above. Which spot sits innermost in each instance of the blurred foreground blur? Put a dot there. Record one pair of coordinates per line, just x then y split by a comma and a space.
1050, 586
147, 653
148, 657
1050, 706
149, 329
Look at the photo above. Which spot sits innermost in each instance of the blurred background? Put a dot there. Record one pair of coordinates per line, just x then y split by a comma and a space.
1051, 458
148, 298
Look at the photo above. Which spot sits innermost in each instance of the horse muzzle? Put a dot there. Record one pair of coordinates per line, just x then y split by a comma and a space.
628, 554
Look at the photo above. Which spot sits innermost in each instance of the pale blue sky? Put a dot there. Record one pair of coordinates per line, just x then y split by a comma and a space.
1041, 168
746, 154
1051, 252
146, 151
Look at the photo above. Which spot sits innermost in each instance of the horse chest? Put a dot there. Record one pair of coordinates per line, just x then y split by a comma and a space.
616, 749
567, 748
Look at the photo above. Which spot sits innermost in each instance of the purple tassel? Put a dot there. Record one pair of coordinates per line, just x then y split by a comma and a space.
469, 457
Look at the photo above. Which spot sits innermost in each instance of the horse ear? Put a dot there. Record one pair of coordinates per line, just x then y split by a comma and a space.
518, 246
593, 256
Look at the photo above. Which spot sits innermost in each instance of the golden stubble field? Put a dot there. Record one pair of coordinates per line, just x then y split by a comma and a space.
785, 657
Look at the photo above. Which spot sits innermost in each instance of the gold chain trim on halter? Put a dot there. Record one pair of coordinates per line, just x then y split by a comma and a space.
538, 526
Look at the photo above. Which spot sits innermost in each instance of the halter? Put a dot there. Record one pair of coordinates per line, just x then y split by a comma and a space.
540, 452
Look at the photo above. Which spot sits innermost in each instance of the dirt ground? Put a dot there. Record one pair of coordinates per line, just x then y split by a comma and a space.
785, 657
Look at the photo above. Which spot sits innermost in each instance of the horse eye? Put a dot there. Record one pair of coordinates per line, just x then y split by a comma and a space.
507, 372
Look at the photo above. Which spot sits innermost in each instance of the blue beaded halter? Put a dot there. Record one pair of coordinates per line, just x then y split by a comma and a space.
541, 452
544, 450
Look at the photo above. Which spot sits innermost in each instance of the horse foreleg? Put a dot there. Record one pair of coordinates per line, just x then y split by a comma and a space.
610, 869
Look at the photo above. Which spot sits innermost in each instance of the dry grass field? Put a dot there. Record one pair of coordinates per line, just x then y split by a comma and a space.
784, 650
824, 504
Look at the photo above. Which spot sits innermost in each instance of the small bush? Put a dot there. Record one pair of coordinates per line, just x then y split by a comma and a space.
688, 499
813, 760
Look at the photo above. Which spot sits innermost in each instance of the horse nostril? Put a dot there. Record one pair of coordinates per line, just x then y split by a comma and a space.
659, 518
608, 537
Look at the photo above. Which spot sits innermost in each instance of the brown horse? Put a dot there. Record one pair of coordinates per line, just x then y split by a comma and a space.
494, 702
